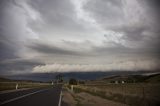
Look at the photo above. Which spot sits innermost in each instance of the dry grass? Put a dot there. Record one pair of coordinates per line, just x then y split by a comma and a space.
135, 94
81, 98
12, 85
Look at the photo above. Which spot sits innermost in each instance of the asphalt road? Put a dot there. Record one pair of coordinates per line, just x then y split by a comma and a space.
33, 97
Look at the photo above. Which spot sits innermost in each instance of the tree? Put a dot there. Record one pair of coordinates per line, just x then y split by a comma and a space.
81, 82
73, 81
59, 78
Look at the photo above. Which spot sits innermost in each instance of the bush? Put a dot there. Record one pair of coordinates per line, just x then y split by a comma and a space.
73, 81
81, 82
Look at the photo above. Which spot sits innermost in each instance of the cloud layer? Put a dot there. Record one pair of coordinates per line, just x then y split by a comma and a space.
117, 66
79, 35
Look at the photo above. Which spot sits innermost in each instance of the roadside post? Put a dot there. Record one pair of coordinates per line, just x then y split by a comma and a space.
52, 82
16, 86
72, 88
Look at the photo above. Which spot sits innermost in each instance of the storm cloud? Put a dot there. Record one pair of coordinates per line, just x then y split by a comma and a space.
79, 35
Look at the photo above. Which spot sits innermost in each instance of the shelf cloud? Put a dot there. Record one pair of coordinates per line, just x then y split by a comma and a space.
116, 66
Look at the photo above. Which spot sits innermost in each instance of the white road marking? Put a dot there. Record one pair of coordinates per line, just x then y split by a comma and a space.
60, 99
7, 101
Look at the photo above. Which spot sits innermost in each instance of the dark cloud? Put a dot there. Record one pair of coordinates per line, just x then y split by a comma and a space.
153, 6
51, 49
7, 46
20, 66
6, 52
77, 32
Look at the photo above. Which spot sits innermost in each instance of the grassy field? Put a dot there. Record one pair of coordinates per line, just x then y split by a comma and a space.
12, 85
133, 94
9, 84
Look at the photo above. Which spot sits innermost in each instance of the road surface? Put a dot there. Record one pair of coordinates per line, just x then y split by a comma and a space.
33, 97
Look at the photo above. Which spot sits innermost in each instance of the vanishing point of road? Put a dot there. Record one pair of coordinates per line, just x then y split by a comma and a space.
33, 97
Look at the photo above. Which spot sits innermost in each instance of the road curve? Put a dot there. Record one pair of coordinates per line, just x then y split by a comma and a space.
34, 97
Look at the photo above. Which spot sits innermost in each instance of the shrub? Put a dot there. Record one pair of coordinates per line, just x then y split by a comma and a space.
73, 81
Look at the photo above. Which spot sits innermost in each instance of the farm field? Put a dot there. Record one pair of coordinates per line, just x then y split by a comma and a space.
12, 85
137, 94
7, 84
132, 90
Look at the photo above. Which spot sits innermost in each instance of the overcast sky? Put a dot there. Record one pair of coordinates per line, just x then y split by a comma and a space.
79, 35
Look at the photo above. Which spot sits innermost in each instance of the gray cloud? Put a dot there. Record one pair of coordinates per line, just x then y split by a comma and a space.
58, 17
93, 32
136, 20
7, 49
51, 49
105, 11
18, 66
152, 8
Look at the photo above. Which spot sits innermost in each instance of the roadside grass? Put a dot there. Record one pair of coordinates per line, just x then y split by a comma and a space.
131, 94
78, 102
76, 98
12, 85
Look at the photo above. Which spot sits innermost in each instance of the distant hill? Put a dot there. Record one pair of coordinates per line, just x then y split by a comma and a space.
153, 78
79, 75
134, 78
4, 79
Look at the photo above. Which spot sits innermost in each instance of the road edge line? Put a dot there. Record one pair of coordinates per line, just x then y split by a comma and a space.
60, 99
